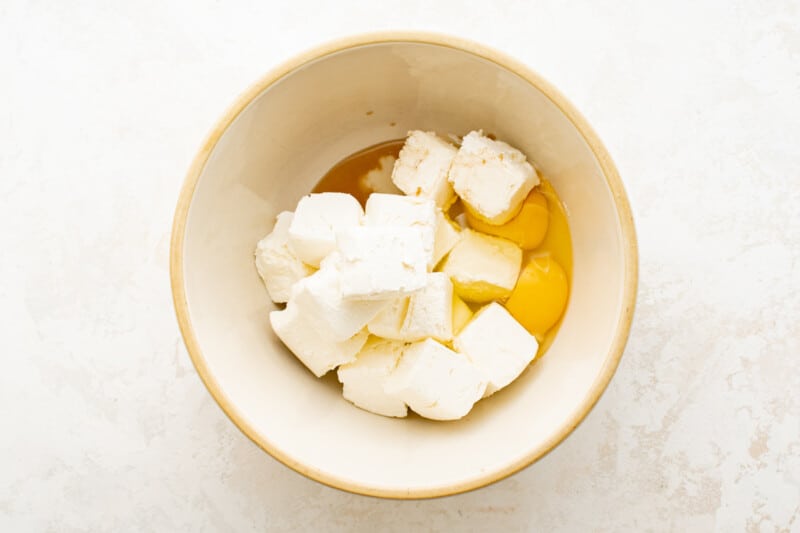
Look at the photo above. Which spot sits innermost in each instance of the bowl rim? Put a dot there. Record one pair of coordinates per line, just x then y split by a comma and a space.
610, 173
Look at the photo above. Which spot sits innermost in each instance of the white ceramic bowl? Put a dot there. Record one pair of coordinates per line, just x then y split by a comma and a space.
273, 145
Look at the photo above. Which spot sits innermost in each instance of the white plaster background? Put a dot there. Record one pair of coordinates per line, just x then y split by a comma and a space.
105, 424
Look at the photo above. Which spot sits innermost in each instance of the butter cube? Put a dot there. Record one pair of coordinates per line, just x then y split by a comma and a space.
461, 314
491, 177
382, 262
389, 321
310, 345
482, 267
423, 165
404, 211
312, 232
363, 380
447, 235
498, 345
319, 299
276, 262
430, 311
436, 382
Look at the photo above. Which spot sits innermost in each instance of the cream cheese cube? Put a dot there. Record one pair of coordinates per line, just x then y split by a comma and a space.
491, 177
430, 311
447, 235
498, 345
404, 211
310, 345
312, 232
423, 165
436, 382
276, 262
483, 267
363, 380
382, 262
389, 321
398, 210
319, 299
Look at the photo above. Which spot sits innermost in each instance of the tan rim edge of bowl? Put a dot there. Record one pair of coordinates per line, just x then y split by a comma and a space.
609, 171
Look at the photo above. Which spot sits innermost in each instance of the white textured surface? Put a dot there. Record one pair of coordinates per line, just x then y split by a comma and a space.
108, 427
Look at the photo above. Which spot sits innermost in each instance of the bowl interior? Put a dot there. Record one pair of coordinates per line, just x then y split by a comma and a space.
274, 151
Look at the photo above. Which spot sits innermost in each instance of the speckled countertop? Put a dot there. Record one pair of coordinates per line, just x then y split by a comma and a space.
106, 426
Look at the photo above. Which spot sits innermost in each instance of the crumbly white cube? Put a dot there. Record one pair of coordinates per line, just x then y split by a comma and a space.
423, 166
498, 345
483, 267
276, 262
447, 235
398, 210
430, 311
462, 314
379, 179
491, 177
363, 380
312, 232
382, 262
436, 382
389, 322
404, 211
319, 299
318, 352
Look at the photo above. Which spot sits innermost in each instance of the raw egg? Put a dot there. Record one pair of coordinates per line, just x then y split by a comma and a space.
527, 229
540, 296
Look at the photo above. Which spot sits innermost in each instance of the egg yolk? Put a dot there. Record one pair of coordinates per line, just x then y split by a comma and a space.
540, 296
527, 229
